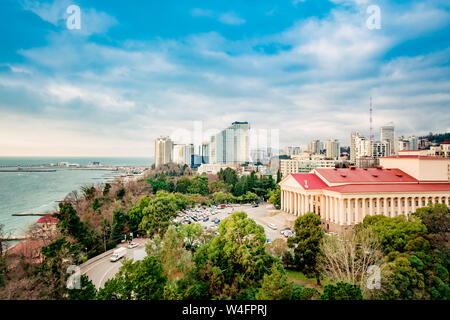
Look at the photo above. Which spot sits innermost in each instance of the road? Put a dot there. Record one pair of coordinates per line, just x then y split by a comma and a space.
99, 269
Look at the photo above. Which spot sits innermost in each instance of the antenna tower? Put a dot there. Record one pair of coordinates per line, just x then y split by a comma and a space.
371, 121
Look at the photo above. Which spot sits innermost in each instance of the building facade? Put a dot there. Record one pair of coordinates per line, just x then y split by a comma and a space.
343, 197
333, 149
163, 151
387, 134
288, 166
232, 144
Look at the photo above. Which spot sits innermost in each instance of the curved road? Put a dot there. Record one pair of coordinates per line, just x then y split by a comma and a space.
99, 269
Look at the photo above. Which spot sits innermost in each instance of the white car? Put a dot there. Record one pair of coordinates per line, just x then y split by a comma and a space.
272, 226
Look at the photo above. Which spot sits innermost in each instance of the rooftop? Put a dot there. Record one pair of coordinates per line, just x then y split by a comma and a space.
408, 187
370, 175
309, 181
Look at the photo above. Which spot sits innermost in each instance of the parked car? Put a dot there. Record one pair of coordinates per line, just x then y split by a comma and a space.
282, 231
217, 221
222, 206
272, 226
205, 219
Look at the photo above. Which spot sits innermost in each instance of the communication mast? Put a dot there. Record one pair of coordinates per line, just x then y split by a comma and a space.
371, 121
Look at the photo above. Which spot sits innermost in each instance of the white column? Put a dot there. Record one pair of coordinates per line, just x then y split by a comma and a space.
295, 203
282, 200
311, 206
393, 206
407, 206
364, 211
348, 212
371, 206
327, 212
322, 207
357, 209
341, 212
385, 209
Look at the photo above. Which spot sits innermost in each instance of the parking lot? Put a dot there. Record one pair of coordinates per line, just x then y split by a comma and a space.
272, 220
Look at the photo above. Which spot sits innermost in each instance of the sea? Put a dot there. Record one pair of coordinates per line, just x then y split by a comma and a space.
39, 192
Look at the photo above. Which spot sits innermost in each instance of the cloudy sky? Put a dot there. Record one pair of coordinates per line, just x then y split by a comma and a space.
139, 69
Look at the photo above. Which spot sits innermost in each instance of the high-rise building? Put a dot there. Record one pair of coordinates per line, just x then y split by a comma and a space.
380, 149
189, 150
212, 150
178, 155
315, 146
232, 144
363, 147
333, 149
292, 150
163, 151
353, 137
387, 133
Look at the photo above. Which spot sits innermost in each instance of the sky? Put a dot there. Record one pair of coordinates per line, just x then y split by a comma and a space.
136, 70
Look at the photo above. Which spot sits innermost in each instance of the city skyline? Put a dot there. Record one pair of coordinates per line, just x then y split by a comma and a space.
131, 74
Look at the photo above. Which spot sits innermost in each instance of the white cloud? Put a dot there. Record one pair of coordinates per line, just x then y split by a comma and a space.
231, 18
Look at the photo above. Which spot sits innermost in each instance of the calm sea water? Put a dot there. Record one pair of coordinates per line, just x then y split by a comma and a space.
37, 192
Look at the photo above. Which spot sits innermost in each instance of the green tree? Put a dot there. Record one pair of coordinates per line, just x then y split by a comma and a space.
341, 291
118, 224
87, 290
141, 280
106, 189
199, 185
235, 259
306, 243
136, 213
191, 233
275, 197
120, 193
394, 233
278, 176
275, 285
300, 292
183, 184
158, 215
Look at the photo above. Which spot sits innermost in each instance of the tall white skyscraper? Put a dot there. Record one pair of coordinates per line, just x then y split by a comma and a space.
333, 149
232, 144
163, 151
387, 133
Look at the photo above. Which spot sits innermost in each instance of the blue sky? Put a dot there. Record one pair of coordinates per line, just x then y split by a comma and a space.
139, 69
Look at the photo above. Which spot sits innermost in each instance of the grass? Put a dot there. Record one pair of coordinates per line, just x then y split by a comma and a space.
300, 278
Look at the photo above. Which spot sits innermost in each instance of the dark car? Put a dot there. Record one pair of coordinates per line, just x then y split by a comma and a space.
205, 219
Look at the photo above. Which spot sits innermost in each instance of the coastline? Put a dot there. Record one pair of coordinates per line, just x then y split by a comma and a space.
123, 178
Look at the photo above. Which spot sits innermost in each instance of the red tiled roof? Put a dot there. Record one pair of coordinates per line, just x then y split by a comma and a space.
312, 181
407, 187
370, 175
47, 219
446, 142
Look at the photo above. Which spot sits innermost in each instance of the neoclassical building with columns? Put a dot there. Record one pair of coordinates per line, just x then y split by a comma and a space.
343, 197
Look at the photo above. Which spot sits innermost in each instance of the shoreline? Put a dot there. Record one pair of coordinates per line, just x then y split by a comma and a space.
114, 179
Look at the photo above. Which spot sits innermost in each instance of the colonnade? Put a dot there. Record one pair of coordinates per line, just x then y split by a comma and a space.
350, 209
